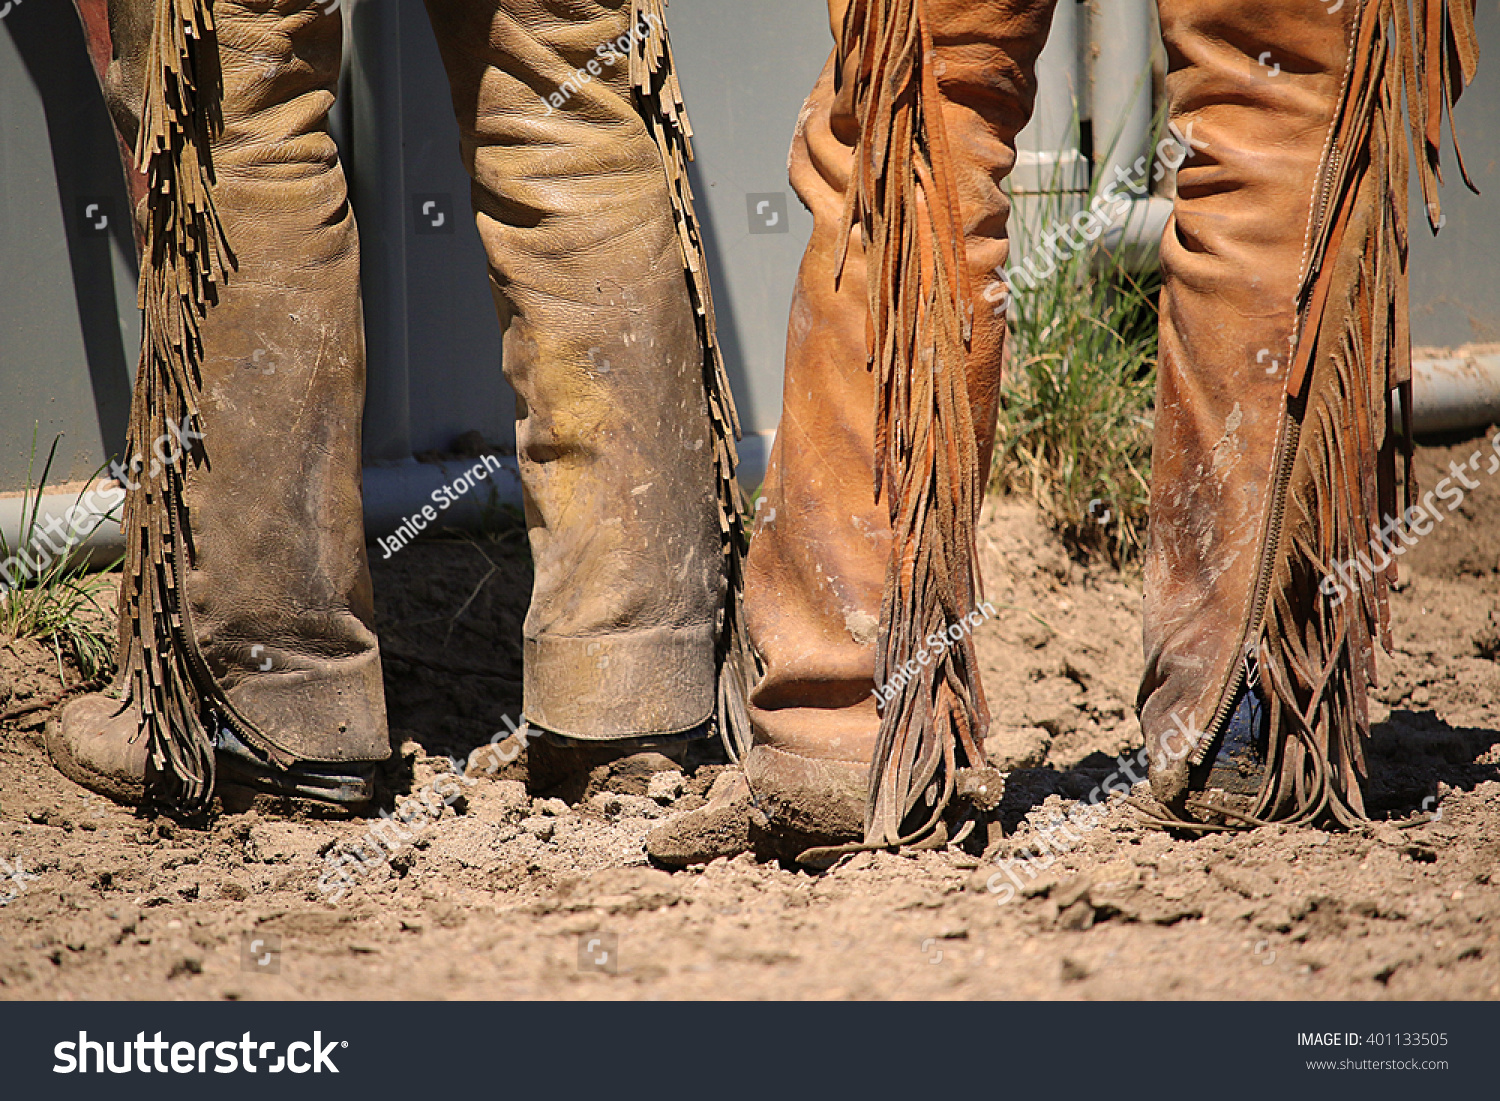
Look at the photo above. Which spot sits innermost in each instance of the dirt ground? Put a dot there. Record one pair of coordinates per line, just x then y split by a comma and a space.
508, 897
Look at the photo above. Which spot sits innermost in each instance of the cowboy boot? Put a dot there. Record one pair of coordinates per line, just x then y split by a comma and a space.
1283, 336
573, 131
864, 549
246, 648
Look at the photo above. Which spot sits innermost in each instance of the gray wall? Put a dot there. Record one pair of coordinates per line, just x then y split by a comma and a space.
68, 327
745, 68
69, 331
1455, 292
433, 342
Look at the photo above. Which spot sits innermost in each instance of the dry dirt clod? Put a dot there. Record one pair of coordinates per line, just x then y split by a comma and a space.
1014, 747
665, 787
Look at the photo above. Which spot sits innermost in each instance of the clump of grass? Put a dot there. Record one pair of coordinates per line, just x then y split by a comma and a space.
1075, 426
61, 604
1075, 416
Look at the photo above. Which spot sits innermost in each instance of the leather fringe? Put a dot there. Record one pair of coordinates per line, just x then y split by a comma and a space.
903, 198
186, 259
659, 100
1338, 446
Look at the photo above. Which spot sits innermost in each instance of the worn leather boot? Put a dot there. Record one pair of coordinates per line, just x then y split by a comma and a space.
864, 549
1283, 336
574, 132
246, 647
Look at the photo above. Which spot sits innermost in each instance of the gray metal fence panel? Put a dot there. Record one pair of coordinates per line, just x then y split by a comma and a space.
68, 325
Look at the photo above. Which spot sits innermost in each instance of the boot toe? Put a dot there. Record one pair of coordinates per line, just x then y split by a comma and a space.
819, 800
94, 741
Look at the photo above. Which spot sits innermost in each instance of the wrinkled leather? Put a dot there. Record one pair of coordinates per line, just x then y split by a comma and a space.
279, 584
601, 347
819, 556
1232, 256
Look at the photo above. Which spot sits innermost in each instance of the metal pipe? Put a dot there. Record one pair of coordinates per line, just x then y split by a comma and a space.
395, 491
1121, 33
84, 521
1455, 390
1052, 134
392, 493
1051, 175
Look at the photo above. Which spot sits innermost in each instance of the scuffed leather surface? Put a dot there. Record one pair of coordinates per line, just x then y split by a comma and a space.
817, 570
1232, 256
600, 345
92, 741
278, 530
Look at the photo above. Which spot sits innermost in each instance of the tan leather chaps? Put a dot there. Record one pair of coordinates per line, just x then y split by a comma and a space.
246, 603
1283, 338
1282, 335
864, 552
574, 132
246, 606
